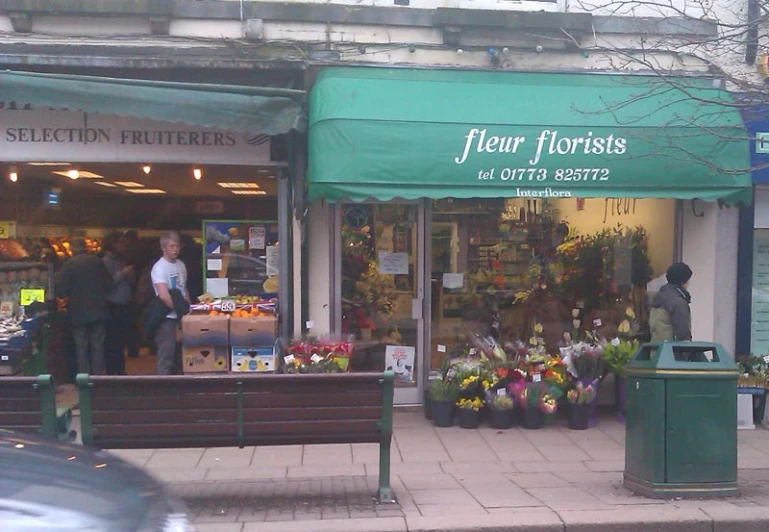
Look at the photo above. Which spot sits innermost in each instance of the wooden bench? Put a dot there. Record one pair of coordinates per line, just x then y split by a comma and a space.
28, 404
130, 412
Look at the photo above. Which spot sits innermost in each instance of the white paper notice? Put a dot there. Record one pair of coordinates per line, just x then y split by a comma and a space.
256, 238
272, 260
441, 348
214, 265
453, 280
400, 360
218, 287
393, 263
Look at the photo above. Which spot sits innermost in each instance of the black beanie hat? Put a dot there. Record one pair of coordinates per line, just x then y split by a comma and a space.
678, 273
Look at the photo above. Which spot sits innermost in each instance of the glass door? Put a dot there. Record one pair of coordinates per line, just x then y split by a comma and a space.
382, 290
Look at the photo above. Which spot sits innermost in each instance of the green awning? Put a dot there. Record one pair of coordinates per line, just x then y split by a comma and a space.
389, 133
234, 108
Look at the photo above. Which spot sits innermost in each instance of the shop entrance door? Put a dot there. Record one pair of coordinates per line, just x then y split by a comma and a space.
382, 291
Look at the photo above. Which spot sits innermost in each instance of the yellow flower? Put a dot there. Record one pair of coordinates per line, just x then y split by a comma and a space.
538, 328
630, 313
624, 327
486, 385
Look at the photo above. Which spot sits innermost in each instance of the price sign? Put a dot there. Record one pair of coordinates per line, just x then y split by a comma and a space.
31, 295
228, 305
536, 377
6, 309
7, 229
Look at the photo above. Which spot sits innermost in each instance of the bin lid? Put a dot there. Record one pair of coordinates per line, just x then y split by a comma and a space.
683, 359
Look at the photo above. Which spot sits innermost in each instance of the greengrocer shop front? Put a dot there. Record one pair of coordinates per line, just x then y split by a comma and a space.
447, 204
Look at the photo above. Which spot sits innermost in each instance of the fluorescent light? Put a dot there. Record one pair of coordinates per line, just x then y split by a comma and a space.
129, 184
249, 192
238, 185
146, 191
81, 174
50, 164
106, 184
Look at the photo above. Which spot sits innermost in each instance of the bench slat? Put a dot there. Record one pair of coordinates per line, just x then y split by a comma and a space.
193, 389
276, 428
103, 400
194, 416
27, 404
32, 418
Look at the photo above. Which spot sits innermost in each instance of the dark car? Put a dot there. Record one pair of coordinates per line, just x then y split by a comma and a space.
54, 486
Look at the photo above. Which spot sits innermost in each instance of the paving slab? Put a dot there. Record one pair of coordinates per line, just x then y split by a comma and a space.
528, 521
382, 524
746, 519
664, 519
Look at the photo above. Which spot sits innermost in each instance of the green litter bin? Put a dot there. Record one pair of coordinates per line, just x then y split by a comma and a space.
681, 421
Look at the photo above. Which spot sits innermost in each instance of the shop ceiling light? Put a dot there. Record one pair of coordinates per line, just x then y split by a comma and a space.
129, 184
249, 192
147, 169
106, 184
197, 173
13, 173
146, 191
239, 185
81, 174
50, 164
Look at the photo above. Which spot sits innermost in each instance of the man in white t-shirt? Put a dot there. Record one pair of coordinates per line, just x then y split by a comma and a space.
168, 273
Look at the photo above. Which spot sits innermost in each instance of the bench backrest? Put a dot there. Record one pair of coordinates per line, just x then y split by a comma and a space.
28, 404
234, 410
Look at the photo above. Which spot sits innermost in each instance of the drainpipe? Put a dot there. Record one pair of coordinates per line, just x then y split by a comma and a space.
751, 46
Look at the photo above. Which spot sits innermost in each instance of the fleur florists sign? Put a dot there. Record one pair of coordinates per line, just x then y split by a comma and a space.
548, 143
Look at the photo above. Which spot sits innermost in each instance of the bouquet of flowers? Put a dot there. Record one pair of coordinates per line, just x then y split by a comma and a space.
754, 371
313, 355
581, 394
617, 354
502, 402
584, 360
537, 395
470, 404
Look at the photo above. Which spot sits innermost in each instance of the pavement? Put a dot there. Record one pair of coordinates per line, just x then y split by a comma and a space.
447, 480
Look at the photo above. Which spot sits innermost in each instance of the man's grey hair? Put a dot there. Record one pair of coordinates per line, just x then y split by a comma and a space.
167, 238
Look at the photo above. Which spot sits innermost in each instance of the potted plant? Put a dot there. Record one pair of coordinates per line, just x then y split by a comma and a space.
580, 398
616, 355
469, 412
502, 412
443, 394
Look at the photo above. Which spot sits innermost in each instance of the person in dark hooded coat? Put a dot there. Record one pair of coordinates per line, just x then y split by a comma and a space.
670, 318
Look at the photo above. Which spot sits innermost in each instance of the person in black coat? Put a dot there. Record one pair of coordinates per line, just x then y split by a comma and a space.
86, 282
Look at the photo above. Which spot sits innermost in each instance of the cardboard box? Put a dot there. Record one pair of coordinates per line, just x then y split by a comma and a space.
205, 359
253, 359
204, 330
259, 331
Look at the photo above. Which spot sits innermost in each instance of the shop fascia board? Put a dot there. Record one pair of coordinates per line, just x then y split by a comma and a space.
64, 53
90, 7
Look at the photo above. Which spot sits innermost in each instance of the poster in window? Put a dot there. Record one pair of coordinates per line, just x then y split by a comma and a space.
400, 360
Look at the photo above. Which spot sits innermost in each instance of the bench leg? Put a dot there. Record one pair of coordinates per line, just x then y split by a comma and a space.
385, 494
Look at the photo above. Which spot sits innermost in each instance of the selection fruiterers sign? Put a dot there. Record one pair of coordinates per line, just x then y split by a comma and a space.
28, 134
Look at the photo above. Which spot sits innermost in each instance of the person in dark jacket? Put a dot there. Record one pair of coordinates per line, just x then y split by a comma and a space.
86, 282
670, 318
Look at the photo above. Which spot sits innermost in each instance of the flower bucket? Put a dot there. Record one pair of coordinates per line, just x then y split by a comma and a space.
501, 419
579, 416
443, 413
595, 383
428, 406
468, 418
532, 418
